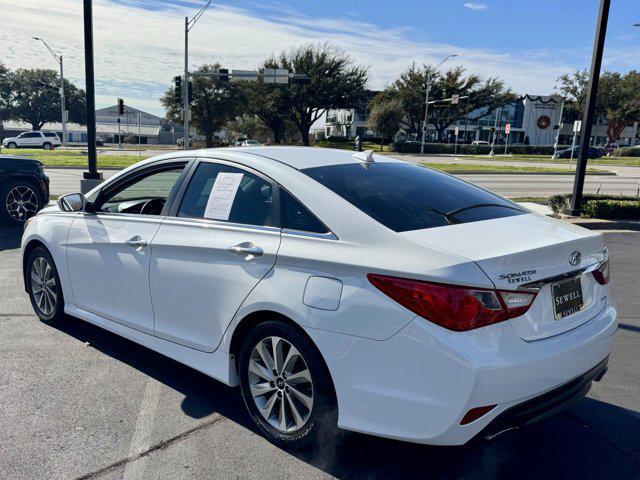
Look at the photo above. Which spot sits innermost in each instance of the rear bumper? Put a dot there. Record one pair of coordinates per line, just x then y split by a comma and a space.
418, 385
547, 404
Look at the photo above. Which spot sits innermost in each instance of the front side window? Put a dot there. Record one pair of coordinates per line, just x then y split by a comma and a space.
145, 196
224, 193
407, 197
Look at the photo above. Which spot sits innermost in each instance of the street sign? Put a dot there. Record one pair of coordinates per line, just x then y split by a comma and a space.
455, 99
457, 130
577, 126
507, 128
246, 75
276, 76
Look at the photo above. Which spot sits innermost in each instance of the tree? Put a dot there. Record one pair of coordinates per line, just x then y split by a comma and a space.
5, 93
335, 83
573, 87
249, 125
484, 97
215, 102
385, 119
618, 98
266, 102
619, 101
35, 98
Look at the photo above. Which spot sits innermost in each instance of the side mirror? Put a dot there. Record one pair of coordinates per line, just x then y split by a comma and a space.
74, 202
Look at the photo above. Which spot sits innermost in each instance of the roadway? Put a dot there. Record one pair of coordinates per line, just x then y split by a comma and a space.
517, 185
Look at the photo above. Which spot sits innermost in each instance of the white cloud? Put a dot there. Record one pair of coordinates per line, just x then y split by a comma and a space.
138, 52
475, 6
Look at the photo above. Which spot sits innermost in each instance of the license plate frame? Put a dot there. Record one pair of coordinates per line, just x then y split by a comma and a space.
567, 298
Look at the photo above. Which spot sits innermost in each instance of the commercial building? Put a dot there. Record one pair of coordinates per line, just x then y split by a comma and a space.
132, 127
534, 120
350, 122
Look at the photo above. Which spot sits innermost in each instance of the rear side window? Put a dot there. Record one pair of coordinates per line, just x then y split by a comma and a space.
406, 197
50, 134
224, 193
296, 217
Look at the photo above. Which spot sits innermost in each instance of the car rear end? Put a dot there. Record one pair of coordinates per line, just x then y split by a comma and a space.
53, 138
478, 357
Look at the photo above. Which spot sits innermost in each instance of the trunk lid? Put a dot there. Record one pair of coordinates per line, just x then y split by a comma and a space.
525, 249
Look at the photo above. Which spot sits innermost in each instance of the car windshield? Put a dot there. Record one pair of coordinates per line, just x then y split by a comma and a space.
407, 197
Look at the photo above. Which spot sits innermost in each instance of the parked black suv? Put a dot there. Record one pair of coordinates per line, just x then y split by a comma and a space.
24, 189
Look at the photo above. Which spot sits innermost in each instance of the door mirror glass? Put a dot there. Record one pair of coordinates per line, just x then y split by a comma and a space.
74, 202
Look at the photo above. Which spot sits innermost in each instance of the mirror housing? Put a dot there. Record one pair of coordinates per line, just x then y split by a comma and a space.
73, 202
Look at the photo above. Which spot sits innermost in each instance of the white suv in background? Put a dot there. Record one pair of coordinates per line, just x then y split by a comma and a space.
33, 139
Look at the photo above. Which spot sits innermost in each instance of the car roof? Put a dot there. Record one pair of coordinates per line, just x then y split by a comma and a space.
301, 158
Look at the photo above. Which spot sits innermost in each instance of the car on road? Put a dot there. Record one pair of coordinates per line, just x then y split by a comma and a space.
24, 189
480, 143
335, 289
250, 143
594, 152
33, 139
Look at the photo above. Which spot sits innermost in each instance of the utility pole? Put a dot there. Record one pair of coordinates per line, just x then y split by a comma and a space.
495, 133
188, 25
425, 124
91, 178
63, 110
587, 119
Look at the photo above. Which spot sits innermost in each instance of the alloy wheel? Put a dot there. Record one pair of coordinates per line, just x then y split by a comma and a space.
280, 383
21, 203
43, 286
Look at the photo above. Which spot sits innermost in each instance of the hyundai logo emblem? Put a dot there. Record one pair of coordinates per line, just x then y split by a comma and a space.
575, 258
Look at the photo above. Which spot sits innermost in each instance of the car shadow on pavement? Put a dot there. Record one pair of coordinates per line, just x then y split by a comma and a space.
10, 237
593, 440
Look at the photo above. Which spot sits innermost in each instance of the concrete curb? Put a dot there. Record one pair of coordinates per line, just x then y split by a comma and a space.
600, 224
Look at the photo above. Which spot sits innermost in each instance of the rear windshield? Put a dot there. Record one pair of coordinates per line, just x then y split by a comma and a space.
406, 197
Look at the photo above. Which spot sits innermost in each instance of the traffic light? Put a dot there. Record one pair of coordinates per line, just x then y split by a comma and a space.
224, 74
177, 89
120, 106
190, 91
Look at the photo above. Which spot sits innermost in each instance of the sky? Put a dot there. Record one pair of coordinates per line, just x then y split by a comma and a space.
139, 44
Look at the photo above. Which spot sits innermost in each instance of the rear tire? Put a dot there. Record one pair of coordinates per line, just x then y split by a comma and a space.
46, 146
291, 400
43, 285
19, 201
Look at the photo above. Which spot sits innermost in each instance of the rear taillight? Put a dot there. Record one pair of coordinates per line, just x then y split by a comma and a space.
602, 273
454, 307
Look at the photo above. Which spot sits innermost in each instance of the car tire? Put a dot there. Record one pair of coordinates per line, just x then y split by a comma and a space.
291, 386
15, 191
47, 146
12, 145
43, 286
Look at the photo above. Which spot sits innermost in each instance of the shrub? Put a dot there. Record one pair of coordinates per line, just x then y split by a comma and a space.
600, 206
626, 152
612, 209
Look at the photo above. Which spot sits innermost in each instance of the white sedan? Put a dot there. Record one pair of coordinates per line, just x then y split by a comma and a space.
335, 289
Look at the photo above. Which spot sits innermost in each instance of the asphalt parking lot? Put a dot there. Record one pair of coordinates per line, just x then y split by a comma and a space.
78, 402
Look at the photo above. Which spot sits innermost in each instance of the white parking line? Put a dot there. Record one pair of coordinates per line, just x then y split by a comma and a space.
143, 429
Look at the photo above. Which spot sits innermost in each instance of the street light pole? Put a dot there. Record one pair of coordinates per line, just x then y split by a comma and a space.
63, 112
91, 178
188, 25
587, 119
426, 107
185, 86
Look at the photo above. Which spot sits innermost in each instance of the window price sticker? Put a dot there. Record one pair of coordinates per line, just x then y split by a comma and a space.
222, 196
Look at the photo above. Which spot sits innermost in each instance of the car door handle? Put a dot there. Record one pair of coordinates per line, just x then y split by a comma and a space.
136, 242
248, 249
